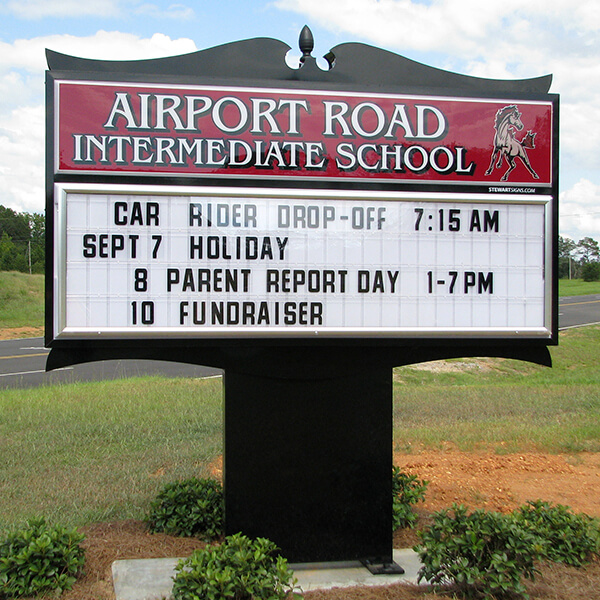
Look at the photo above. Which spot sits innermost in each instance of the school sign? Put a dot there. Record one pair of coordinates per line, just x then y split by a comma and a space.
305, 230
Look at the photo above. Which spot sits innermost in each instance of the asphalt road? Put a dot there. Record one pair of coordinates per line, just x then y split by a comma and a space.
22, 362
574, 311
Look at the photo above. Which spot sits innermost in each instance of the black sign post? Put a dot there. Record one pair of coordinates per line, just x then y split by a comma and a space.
308, 454
306, 231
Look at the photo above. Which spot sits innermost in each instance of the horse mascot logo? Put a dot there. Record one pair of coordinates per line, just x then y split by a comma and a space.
508, 119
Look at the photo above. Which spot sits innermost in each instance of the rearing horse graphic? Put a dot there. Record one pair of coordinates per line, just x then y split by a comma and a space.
505, 144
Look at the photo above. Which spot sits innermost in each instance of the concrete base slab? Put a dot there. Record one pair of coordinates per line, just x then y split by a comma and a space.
324, 576
151, 579
143, 579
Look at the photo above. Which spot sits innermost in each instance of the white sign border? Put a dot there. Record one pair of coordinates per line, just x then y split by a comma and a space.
62, 332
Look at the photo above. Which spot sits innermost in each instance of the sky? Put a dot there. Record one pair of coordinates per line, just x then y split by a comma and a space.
498, 39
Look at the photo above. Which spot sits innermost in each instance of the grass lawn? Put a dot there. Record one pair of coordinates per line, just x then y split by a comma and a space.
577, 287
504, 405
88, 452
21, 300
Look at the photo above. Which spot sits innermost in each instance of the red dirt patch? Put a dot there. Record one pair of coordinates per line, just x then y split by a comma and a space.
504, 482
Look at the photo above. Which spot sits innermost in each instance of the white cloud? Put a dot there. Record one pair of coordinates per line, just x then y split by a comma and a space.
106, 45
173, 11
580, 132
22, 168
22, 66
580, 211
39, 9
468, 29
115, 45
509, 39
15, 87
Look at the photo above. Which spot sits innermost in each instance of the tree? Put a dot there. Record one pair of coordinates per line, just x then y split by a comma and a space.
591, 271
8, 253
566, 247
22, 241
16, 225
588, 250
37, 226
574, 257
567, 267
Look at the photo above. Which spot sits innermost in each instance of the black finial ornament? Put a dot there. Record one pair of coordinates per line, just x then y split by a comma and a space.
306, 42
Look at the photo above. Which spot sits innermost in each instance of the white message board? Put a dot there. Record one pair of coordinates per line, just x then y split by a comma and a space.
135, 261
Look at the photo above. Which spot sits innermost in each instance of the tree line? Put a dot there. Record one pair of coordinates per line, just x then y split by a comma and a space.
22, 248
578, 260
22, 241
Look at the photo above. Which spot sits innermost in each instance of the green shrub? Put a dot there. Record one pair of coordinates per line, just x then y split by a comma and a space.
482, 553
407, 490
39, 558
190, 508
572, 539
591, 271
239, 568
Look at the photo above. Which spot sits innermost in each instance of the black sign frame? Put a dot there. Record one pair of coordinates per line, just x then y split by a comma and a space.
260, 63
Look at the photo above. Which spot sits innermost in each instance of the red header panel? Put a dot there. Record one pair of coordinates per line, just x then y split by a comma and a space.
270, 133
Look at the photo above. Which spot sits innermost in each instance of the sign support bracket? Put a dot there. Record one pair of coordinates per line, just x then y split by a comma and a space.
308, 454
